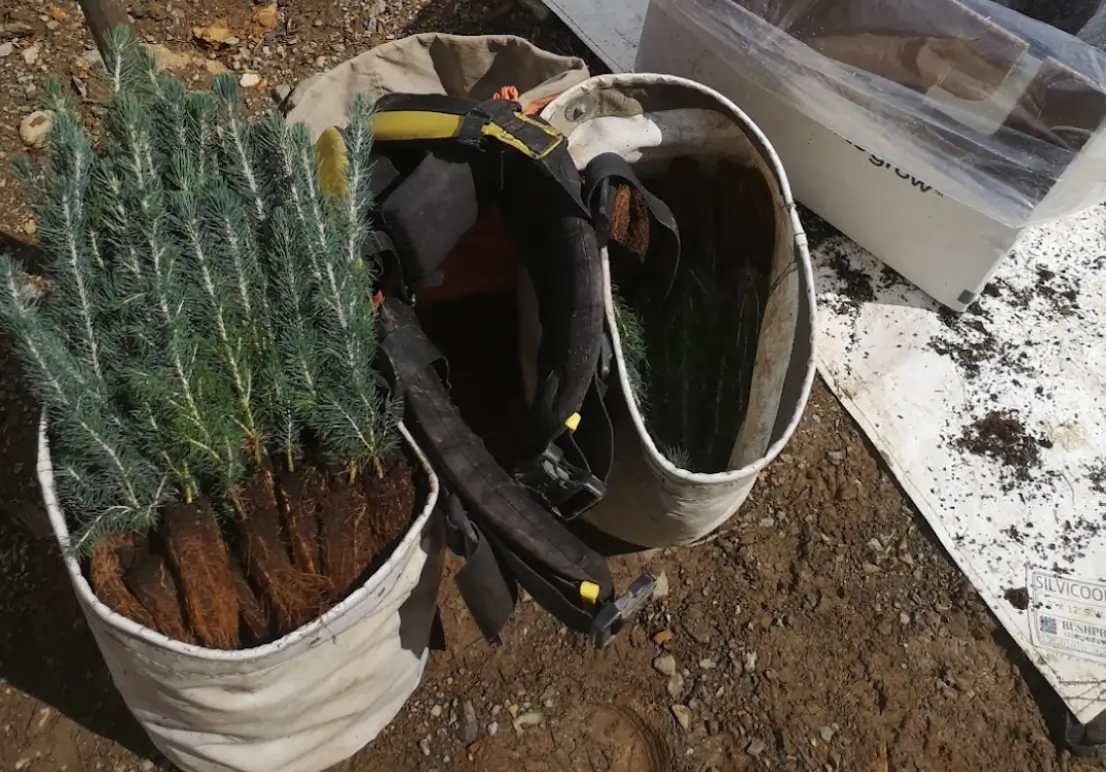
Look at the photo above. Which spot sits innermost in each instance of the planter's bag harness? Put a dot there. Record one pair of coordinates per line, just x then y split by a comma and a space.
441, 161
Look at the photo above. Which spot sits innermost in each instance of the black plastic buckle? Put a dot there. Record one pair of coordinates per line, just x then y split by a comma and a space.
494, 111
568, 489
611, 617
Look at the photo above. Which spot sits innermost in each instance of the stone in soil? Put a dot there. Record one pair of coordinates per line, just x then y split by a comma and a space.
683, 715
665, 664
660, 587
35, 129
468, 728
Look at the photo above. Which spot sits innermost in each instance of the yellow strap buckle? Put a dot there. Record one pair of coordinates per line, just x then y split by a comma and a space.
428, 125
589, 592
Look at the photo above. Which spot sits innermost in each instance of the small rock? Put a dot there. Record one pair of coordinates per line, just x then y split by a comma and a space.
30, 55
884, 628
90, 58
21, 763
750, 661
875, 545
683, 715
424, 746
468, 729
871, 568
707, 664
827, 733
836, 456
660, 586
904, 618
663, 637
665, 664
533, 718
52, 25
281, 92
695, 622
675, 686
35, 128
755, 747
320, 61
167, 59
493, 728
436, 711
249, 80
215, 67
147, 766
767, 522
6, 50
16, 29
959, 625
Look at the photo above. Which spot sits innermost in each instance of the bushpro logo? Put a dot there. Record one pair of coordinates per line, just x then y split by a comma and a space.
1068, 614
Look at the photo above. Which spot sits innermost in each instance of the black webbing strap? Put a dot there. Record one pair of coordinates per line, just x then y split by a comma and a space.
489, 594
434, 117
602, 176
557, 569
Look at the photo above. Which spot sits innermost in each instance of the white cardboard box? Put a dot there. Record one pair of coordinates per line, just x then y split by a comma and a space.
911, 221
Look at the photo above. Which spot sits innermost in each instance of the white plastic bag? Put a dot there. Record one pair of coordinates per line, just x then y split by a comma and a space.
650, 120
300, 704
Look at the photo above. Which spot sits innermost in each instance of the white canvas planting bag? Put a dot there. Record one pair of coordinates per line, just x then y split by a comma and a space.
651, 120
299, 704
315, 697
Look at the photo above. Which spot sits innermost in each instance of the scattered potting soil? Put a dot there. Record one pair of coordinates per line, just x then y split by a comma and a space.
1056, 291
1018, 597
1002, 436
298, 543
1096, 476
857, 284
969, 341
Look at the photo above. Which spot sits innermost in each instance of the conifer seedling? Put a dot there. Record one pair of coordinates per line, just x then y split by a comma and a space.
204, 314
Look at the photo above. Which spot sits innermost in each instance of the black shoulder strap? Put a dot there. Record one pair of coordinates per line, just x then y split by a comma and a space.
562, 573
603, 175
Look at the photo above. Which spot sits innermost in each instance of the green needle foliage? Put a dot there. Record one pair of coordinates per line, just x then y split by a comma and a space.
690, 366
204, 303
690, 359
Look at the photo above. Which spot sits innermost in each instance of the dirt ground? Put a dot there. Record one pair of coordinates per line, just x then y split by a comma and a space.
821, 629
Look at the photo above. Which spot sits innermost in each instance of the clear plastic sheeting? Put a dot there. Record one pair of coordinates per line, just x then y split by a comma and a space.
1085, 19
999, 105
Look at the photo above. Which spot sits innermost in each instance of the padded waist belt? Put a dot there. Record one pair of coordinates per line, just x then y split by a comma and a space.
447, 160
505, 535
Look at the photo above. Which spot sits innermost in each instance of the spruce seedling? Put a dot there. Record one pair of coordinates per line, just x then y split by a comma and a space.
205, 299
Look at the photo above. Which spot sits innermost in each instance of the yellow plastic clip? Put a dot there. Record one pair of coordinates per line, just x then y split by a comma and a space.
589, 592
572, 422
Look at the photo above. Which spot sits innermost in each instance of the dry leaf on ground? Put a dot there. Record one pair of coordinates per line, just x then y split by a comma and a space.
264, 18
215, 34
